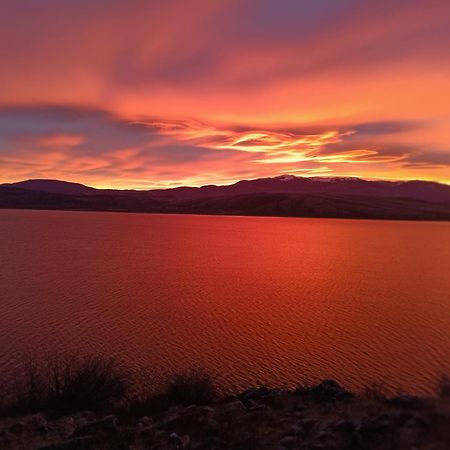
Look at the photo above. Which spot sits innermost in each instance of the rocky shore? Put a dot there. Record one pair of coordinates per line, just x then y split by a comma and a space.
322, 417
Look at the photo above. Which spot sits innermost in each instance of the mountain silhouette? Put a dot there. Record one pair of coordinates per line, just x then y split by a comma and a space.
287, 195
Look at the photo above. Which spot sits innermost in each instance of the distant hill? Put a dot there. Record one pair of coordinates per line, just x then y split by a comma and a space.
287, 196
54, 186
289, 184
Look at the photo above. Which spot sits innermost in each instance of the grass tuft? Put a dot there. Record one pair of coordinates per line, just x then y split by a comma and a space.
65, 385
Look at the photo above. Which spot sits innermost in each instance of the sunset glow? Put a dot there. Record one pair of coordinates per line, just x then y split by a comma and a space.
142, 94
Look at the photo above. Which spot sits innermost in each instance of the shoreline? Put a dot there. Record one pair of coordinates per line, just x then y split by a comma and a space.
197, 214
86, 405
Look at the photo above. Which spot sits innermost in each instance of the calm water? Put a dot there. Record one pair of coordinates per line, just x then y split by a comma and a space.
265, 300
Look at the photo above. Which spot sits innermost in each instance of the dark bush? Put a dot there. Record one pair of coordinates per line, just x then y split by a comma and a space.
186, 388
90, 383
191, 387
376, 391
69, 384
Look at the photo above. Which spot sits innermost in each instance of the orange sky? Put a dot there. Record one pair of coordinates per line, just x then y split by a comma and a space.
140, 94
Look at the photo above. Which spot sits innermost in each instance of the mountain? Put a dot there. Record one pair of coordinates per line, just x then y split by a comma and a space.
289, 184
53, 186
287, 196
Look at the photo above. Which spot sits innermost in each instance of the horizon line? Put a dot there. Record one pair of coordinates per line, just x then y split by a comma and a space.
102, 187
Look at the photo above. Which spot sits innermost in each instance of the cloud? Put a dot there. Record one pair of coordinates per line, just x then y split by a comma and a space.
61, 140
288, 146
100, 148
93, 146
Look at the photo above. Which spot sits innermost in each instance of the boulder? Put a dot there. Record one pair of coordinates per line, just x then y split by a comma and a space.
294, 430
177, 442
377, 425
344, 426
41, 424
171, 416
79, 443
405, 401
287, 442
260, 410
67, 426
109, 423
145, 422
17, 428
233, 407
256, 394
328, 390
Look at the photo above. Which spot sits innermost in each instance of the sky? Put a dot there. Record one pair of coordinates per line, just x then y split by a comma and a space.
146, 93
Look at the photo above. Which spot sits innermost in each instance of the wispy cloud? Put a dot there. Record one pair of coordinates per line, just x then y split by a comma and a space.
101, 148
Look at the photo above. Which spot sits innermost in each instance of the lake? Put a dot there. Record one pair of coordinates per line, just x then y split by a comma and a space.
252, 299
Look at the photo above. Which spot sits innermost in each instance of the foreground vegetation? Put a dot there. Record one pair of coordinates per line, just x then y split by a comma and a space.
93, 403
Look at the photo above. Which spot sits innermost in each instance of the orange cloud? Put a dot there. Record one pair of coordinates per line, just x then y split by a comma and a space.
273, 146
61, 140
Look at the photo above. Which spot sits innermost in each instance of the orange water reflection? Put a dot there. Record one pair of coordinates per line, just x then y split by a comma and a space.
265, 300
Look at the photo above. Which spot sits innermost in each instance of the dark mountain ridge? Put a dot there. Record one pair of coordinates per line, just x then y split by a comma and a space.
288, 196
54, 186
286, 184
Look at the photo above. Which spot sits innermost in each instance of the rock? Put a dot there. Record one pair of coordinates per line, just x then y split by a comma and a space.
81, 422
357, 423
79, 443
260, 408
344, 426
197, 417
109, 423
324, 436
400, 417
276, 399
41, 424
249, 403
294, 430
378, 424
356, 440
257, 395
176, 441
186, 441
412, 423
67, 426
233, 407
85, 426
405, 401
212, 443
329, 390
199, 411
419, 421
17, 428
145, 422
287, 442
4, 438
171, 416
246, 441
307, 424
89, 415
299, 408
